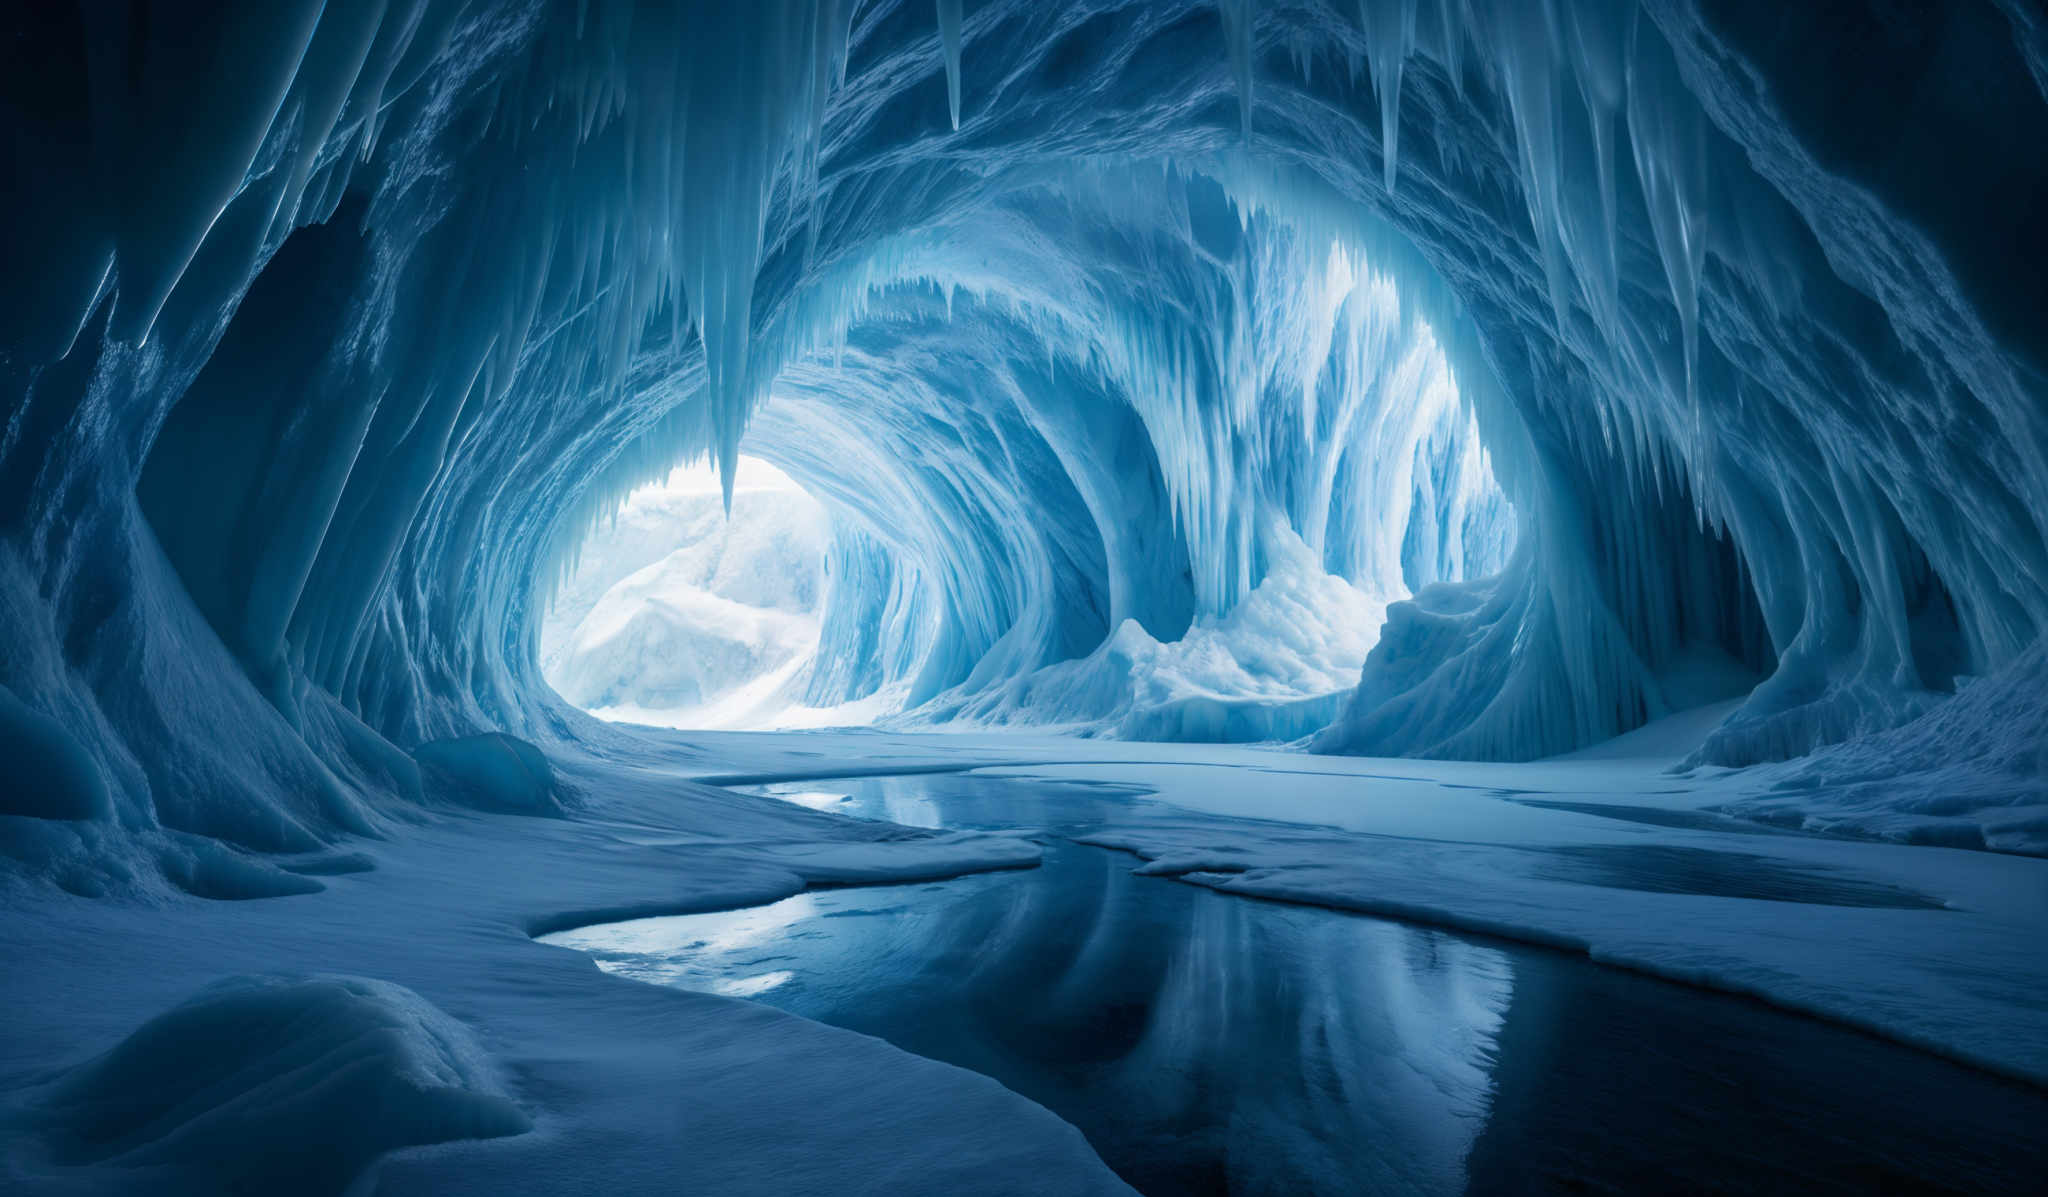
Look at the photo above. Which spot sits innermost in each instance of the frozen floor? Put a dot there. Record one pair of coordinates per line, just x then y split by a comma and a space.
1209, 1044
643, 1088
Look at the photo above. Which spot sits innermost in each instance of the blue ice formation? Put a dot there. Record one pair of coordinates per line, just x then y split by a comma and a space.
1133, 436
337, 325
325, 1072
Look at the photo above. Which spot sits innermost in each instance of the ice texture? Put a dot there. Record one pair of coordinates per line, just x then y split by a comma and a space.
689, 611
276, 1083
492, 771
315, 382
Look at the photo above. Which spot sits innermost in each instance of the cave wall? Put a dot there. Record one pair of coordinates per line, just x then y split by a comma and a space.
312, 381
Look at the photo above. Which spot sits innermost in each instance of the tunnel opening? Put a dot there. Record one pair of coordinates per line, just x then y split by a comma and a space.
688, 608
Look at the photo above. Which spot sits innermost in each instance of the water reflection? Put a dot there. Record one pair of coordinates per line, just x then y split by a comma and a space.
987, 800
1212, 1044
1205, 1044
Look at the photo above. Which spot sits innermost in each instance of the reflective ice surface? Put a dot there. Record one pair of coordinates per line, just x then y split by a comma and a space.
1212, 1044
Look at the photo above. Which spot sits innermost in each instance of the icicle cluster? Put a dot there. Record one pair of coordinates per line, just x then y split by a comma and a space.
314, 381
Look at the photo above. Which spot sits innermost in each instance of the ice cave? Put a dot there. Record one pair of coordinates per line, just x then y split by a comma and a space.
1013, 597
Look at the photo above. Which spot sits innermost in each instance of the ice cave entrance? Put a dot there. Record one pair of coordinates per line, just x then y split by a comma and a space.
677, 615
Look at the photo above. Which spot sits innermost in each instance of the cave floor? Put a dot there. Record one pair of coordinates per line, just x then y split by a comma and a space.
638, 1088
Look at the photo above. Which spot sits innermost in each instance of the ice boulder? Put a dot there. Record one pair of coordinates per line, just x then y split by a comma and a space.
492, 771
278, 1085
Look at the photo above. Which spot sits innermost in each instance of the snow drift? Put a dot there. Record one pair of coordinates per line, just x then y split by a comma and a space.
273, 1084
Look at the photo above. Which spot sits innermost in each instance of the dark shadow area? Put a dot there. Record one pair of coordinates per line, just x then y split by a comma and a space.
1666, 869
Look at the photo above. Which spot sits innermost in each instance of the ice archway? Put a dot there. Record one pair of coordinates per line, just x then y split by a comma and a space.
314, 382
1163, 486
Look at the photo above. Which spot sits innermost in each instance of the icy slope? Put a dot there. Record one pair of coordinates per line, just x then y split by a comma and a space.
1972, 772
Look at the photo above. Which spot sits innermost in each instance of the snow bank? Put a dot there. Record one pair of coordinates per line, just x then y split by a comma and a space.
492, 771
276, 1084
1971, 772
1276, 667
53, 776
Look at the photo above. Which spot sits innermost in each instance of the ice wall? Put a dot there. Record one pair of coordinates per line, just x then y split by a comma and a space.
1118, 398
339, 323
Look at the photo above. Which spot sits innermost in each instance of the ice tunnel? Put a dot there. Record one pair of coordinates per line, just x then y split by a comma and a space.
1620, 358
1184, 526
1552, 493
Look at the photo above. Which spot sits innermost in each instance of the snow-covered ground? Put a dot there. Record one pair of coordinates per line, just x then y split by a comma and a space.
631, 1088
628, 1088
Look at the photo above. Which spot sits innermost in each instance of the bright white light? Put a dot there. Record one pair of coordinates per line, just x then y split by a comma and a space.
680, 615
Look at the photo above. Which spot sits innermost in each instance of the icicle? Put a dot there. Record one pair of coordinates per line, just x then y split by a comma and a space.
1528, 66
1390, 37
1596, 34
1452, 19
828, 65
949, 37
1668, 133
1239, 16
1305, 61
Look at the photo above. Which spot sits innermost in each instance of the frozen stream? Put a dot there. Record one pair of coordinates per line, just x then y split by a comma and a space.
1213, 1044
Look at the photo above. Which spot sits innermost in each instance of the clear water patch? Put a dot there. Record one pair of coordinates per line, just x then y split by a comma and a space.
1210, 1044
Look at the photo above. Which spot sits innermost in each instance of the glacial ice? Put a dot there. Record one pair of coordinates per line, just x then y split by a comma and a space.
1621, 357
314, 432
1466, 379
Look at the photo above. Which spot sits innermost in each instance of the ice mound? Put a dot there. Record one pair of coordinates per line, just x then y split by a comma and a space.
1278, 666
278, 1085
492, 771
50, 775
209, 869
